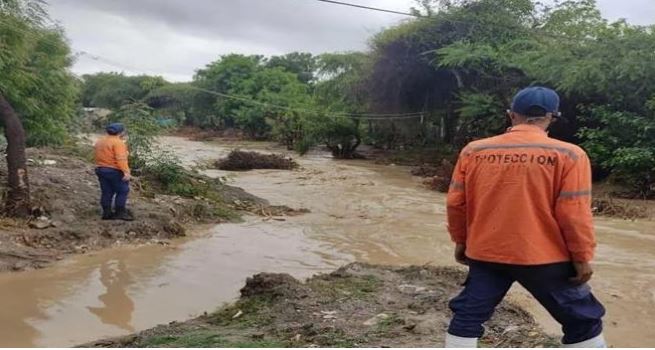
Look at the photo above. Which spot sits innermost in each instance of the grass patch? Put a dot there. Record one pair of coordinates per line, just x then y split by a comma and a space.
239, 160
357, 287
254, 312
205, 339
212, 210
384, 325
335, 338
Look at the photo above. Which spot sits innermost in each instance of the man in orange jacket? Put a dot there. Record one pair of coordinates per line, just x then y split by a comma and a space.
113, 173
519, 210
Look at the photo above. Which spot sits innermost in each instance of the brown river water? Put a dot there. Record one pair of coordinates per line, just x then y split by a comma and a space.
359, 212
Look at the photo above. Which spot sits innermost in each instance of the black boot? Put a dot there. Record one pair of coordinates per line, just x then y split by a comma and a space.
107, 214
123, 214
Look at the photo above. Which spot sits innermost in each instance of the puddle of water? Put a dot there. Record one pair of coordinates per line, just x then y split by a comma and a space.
117, 291
359, 211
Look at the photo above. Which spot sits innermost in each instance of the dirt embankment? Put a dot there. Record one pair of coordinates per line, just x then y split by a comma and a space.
67, 221
356, 306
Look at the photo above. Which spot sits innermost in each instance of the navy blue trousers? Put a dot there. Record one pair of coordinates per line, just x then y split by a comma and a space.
112, 185
574, 307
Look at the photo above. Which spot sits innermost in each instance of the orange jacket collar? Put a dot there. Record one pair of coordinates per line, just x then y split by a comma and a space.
527, 127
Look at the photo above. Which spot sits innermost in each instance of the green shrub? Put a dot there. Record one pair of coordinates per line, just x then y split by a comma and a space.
623, 144
635, 168
184, 189
164, 166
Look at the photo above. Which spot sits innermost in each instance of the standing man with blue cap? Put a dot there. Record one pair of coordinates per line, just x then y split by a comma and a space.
113, 173
519, 210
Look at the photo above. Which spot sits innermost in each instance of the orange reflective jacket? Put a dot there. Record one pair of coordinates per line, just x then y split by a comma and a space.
111, 152
522, 198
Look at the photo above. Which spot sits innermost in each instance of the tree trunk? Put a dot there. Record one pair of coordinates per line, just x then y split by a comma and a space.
18, 197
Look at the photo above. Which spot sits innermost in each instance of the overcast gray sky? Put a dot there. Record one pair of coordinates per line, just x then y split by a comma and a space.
174, 37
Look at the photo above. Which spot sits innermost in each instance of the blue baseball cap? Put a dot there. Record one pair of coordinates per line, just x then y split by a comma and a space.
115, 128
536, 101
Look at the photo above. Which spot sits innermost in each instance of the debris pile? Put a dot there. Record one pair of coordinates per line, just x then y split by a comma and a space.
239, 160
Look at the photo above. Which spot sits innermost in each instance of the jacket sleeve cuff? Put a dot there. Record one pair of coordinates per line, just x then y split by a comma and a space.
582, 256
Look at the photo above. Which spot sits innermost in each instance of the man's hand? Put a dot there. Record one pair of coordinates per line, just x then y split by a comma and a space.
127, 177
460, 254
583, 272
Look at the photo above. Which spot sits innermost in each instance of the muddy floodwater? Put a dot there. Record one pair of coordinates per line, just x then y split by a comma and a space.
359, 212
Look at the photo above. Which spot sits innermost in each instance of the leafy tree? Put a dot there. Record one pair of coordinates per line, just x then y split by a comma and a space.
261, 98
280, 100
340, 92
176, 100
35, 85
300, 63
223, 76
622, 144
112, 90
482, 51
341, 134
403, 79
34, 60
27, 11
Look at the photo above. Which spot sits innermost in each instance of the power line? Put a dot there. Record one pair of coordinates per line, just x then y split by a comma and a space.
372, 8
116, 64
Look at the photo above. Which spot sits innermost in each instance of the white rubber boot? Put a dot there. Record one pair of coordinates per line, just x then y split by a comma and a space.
453, 341
596, 342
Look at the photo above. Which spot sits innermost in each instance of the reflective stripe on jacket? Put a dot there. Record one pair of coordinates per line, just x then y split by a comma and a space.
522, 198
111, 152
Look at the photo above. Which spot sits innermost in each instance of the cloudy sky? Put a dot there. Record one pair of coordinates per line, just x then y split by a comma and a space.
174, 37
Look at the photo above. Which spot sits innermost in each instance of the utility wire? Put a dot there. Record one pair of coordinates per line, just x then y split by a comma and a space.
116, 64
371, 8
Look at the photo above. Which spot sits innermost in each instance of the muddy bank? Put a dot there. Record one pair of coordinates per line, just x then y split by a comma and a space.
358, 305
67, 221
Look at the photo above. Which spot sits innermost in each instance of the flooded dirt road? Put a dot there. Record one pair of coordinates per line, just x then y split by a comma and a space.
359, 212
